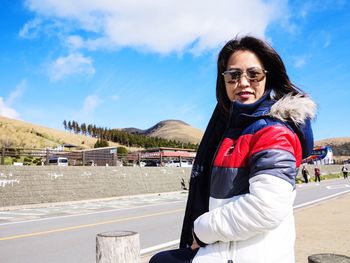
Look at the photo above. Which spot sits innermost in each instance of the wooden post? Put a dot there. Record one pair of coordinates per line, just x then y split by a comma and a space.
115, 157
47, 156
118, 247
160, 158
83, 157
3, 156
328, 258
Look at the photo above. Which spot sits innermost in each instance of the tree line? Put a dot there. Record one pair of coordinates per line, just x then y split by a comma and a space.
123, 137
341, 149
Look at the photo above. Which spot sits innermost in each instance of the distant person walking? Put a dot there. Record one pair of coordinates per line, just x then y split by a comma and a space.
317, 174
305, 174
344, 169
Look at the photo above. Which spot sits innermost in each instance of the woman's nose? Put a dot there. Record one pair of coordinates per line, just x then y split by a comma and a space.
243, 80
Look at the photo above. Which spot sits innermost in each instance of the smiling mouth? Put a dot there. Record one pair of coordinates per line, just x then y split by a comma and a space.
244, 93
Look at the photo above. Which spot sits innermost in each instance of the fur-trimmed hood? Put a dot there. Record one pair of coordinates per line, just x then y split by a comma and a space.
296, 109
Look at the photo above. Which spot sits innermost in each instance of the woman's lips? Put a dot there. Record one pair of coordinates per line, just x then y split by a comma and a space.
244, 94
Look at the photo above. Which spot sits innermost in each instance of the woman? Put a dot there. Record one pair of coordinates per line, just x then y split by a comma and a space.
305, 173
242, 188
344, 169
317, 174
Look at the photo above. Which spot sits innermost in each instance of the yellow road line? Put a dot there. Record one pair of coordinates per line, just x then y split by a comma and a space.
88, 225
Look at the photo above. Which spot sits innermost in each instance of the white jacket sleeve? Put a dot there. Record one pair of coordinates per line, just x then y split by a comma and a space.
270, 201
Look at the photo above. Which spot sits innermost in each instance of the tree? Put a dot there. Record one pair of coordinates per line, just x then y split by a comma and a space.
123, 137
122, 150
83, 128
101, 143
69, 126
89, 129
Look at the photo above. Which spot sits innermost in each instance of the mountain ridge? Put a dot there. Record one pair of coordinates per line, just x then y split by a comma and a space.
18, 133
332, 141
172, 130
21, 134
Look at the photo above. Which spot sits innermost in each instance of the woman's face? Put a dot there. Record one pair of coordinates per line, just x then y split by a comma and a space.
243, 82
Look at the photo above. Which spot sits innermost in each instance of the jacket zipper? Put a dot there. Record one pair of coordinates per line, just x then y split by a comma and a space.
231, 251
214, 157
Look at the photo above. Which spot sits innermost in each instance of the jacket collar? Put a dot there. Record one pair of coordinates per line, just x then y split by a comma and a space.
295, 111
242, 115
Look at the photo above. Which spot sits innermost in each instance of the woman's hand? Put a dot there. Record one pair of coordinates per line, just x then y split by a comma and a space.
194, 243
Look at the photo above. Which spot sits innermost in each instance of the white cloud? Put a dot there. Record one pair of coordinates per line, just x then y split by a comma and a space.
299, 62
159, 26
7, 111
6, 108
74, 42
72, 64
115, 97
312, 6
327, 43
326, 38
17, 92
90, 103
30, 29
305, 9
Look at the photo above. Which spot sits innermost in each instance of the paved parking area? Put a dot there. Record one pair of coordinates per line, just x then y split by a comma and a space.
38, 211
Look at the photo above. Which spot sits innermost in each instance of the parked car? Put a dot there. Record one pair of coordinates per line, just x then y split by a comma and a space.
90, 163
152, 163
142, 164
177, 163
60, 161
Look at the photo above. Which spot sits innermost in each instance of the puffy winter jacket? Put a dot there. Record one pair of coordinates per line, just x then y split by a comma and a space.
252, 183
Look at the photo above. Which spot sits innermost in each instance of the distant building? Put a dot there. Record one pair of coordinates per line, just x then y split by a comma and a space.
320, 155
103, 156
163, 154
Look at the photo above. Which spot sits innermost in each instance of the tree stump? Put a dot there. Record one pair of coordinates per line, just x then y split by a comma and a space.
118, 247
328, 258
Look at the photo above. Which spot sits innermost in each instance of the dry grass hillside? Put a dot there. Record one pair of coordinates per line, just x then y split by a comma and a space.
340, 150
15, 133
175, 130
333, 141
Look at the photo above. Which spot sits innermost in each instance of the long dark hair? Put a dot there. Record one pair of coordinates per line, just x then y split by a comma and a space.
276, 78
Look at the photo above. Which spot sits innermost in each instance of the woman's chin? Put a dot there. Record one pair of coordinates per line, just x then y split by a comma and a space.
246, 100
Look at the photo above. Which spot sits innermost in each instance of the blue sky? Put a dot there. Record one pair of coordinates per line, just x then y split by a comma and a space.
128, 63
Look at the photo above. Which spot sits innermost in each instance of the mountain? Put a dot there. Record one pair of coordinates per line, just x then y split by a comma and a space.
340, 146
332, 141
171, 130
16, 133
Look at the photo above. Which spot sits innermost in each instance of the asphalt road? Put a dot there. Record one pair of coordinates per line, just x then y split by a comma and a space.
67, 233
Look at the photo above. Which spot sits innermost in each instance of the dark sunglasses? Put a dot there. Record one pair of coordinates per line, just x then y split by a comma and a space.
232, 76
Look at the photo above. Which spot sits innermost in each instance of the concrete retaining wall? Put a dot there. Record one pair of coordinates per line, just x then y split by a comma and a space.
20, 185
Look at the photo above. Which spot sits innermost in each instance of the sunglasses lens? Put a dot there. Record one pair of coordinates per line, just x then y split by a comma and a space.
232, 76
252, 74
255, 74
